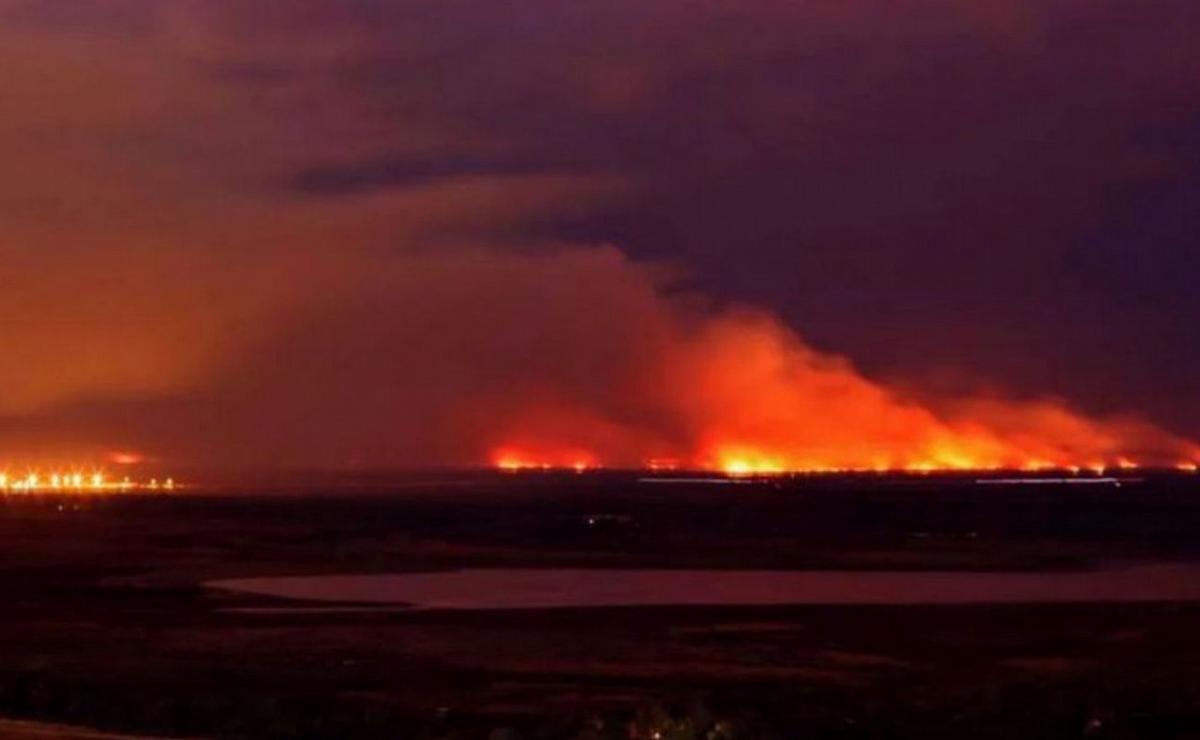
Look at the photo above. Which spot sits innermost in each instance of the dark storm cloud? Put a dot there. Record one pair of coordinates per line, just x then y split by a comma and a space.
914, 184
359, 177
1144, 251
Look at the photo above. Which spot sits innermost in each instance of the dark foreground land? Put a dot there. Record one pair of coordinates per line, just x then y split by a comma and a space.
105, 622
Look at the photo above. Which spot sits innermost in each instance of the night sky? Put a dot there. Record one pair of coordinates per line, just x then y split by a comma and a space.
355, 232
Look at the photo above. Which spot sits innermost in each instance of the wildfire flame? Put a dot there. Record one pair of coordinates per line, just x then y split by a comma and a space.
514, 461
746, 396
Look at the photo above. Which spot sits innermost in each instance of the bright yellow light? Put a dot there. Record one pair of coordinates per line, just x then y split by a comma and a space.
737, 467
511, 464
746, 466
58, 481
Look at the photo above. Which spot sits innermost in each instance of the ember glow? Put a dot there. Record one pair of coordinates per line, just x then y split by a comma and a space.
74, 480
511, 460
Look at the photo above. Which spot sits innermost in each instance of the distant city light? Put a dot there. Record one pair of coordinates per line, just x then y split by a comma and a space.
74, 481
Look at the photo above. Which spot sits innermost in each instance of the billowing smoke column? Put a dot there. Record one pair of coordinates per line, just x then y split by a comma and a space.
738, 391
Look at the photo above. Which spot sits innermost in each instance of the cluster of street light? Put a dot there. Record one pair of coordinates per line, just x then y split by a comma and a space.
35, 481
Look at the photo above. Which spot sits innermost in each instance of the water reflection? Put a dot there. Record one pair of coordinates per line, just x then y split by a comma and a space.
564, 588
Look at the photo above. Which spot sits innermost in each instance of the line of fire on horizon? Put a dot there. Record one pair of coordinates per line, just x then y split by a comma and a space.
764, 467
77, 481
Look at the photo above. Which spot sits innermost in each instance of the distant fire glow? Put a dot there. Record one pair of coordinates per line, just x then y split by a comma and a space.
514, 461
737, 467
75, 481
746, 396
